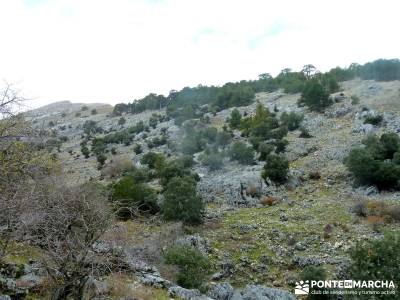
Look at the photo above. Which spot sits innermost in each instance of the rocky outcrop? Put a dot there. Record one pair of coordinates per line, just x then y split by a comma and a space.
259, 292
195, 241
186, 294
221, 291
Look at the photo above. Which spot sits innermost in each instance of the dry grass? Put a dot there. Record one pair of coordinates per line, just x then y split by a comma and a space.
270, 200
377, 211
117, 166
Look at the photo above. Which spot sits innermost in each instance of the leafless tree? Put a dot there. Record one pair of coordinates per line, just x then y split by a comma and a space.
309, 70
11, 166
13, 202
10, 120
67, 222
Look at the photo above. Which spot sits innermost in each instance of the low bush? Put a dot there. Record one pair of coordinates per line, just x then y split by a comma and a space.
223, 139
193, 266
153, 121
304, 133
374, 120
354, 100
213, 161
314, 273
377, 259
181, 201
121, 121
84, 149
137, 149
235, 119
171, 169
360, 208
291, 120
276, 169
152, 159
186, 161
270, 200
90, 127
376, 164
101, 159
117, 166
264, 150
377, 209
131, 198
315, 95
314, 175
280, 145
242, 153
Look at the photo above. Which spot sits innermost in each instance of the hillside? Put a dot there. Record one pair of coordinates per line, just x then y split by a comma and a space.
309, 221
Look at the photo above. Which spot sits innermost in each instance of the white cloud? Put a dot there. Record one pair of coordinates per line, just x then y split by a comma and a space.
112, 51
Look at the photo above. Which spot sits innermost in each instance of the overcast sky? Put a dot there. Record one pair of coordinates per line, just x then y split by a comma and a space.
119, 50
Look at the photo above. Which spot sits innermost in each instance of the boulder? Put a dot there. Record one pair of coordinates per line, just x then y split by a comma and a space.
154, 280
221, 291
29, 281
259, 292
186, 294
195, 241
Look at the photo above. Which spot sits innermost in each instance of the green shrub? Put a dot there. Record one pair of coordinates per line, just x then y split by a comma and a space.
377, 259
376, 163
390, 143
291, 120
276, 169
90, 127
93, 111
130, 197
280, 145
264, 149
262, 126
223, 139
186, 161
101, 159
354, 100
304, 133
181, 201
121, 121
314, 273
315, 96
193, 143
210, 134
196, 139
374, 120
240, 152
137, 149
152, 159
193, 266
235, 119
140, 175
172, 169
153, 121
85, 151
214, 161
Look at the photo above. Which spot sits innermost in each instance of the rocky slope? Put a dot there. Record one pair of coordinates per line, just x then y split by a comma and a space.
256, 249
